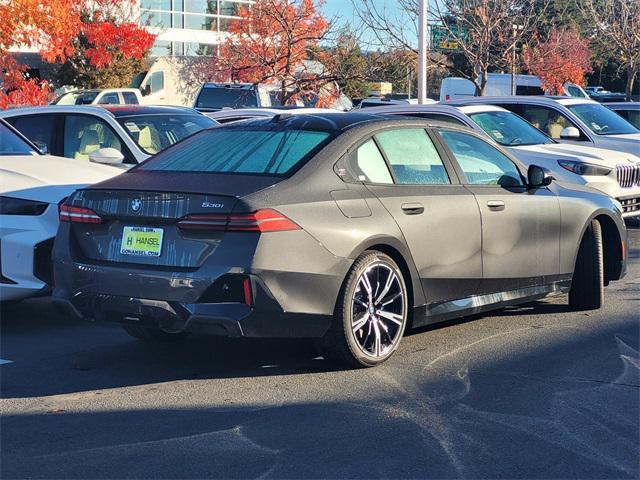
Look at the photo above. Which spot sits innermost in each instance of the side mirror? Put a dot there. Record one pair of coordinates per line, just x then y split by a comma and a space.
146, 90
570, 133
42, 147
107, 156
539, 177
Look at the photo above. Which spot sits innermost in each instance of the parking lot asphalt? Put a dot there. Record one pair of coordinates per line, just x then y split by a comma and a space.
530, 392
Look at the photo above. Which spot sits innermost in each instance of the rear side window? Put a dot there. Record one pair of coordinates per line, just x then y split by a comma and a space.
130, 98
413, 157
261, 152
482, 164
371, 164
40, 129
109, 99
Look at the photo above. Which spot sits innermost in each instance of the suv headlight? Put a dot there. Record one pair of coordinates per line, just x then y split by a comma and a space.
20, 206
581, 168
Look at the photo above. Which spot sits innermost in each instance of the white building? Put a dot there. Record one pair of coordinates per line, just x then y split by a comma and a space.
188, 27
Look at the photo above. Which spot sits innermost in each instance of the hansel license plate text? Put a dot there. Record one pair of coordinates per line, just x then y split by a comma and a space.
141, 241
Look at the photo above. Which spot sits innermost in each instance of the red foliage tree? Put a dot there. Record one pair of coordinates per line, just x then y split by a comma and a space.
563, 57
273, 43
51, 26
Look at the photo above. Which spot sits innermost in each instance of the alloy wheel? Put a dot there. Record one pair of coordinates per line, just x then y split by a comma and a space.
378, 310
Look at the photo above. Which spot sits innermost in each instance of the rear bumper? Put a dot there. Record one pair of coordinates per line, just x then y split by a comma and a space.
294, 283
265, 319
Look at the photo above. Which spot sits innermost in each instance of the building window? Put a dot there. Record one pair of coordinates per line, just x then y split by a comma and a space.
208, 15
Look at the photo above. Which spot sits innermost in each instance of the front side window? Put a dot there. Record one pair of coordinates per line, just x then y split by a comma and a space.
600, 120
84, 134
12, 144
157, 81
237, 150
371, 165
154, 133
507, 128
549, 120
413, 157
481, 163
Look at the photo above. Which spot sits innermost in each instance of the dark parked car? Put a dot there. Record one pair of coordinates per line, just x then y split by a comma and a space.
348, 228
630, 111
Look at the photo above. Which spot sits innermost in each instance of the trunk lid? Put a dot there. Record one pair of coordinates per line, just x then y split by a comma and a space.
141, 226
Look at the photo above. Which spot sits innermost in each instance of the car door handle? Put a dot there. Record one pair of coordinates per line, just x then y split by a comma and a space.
495, 205
412, 208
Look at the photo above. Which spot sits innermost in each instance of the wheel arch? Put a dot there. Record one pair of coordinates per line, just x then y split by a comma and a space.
612, 244
402, 257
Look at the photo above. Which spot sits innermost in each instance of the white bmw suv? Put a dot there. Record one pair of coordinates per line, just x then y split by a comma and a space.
31, 187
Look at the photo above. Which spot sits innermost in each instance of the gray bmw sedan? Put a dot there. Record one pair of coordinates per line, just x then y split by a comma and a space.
347, 228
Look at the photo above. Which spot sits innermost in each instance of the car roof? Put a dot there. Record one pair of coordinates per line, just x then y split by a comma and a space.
131, 110
333, 122
531, 99
433, 108
623, 105
104, 111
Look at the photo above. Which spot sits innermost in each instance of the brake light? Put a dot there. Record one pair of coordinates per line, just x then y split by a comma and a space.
246, 291
262, 221
71, 214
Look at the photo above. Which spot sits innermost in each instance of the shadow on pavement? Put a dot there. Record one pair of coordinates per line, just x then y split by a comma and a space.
525, 416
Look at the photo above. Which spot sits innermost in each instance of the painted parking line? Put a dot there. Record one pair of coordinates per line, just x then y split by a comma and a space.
2, 362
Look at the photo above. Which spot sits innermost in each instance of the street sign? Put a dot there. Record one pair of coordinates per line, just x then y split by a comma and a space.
443, 38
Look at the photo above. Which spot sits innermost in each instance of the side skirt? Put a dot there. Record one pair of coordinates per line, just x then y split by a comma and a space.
439, 312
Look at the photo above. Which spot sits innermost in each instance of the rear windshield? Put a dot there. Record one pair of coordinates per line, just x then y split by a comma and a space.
250, 151
222, 97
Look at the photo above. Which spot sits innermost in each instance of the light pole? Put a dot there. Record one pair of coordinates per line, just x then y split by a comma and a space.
516, 28
422, 51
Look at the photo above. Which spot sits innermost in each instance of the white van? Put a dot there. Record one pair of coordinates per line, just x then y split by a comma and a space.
499, 84
172, 80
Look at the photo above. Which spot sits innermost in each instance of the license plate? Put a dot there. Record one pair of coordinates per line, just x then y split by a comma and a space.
141, 241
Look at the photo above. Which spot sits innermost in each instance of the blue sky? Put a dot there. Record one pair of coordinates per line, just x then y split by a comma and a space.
343, 12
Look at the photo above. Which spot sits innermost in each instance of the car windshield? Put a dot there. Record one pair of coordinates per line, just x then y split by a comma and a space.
600, 120
76, 98
508, 129
217, 98
240, 151
154, 133
12, 144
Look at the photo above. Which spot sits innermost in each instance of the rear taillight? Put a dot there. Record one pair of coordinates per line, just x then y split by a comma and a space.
71, 214
246, 291
261, 221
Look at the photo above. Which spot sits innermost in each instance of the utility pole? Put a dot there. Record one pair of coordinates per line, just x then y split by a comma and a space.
423, 31
513, 58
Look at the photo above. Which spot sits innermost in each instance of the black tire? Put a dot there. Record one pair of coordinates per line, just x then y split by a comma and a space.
587, 284
340, 343
153, 335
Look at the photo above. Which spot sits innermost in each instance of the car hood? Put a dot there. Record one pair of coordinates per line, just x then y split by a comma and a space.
565, 151
46, 178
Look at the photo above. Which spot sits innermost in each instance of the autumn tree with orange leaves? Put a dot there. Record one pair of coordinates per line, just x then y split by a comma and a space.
563, 57
52, 27
273, 43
